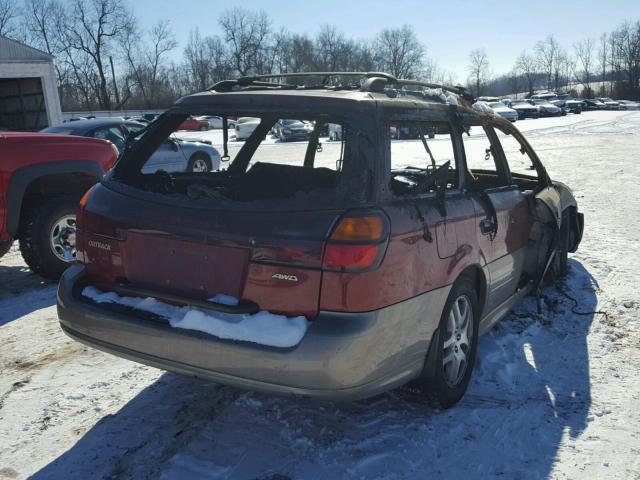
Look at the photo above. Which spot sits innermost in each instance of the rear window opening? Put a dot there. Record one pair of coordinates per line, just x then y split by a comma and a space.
259, 157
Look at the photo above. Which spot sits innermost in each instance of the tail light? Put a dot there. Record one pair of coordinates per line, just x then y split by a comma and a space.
357, 243
94, 224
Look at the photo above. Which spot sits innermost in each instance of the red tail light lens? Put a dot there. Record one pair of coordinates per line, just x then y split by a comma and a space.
353, 257
92, 222
357, 243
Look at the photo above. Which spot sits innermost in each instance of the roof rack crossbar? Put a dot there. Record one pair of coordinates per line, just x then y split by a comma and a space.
386, 76
258, 81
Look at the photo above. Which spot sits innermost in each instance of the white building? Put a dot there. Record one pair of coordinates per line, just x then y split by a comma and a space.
29, 97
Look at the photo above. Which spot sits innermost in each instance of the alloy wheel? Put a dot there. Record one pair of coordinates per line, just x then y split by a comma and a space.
458, 338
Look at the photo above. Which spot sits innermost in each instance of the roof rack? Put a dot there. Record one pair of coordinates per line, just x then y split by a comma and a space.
376, 81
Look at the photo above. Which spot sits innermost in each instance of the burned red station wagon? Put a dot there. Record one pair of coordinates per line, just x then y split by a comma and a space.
337, 267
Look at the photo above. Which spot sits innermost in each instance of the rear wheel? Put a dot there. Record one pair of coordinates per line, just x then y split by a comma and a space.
48, 236
199, 162
456, 344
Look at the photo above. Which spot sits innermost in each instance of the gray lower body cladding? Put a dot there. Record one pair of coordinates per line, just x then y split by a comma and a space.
343, 356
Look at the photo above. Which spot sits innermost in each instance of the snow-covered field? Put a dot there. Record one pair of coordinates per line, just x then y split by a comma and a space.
555, 395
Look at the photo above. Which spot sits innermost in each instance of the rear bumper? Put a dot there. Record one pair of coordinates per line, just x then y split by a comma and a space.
343, 355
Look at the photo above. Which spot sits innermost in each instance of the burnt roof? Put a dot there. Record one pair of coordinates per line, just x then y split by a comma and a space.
321, 100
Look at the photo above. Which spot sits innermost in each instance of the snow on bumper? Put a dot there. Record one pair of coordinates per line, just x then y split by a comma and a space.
263, 328
341, 356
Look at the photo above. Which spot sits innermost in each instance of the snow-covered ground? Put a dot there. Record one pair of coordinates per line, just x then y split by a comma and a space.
555, 395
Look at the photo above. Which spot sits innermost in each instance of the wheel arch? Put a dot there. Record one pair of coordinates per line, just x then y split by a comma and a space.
33, 181
478, 277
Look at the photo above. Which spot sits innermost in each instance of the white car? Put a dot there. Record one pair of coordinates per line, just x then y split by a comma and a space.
245, 127
629, 105
610, 104
501, 109
548, 109
216, 122
183, 155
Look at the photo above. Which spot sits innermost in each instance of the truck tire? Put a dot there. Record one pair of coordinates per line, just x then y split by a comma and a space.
47, 235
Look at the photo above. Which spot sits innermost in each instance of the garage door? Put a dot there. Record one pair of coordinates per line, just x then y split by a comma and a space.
22, 104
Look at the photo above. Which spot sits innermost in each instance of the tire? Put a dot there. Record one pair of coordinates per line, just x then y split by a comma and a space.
199, 162
47, 234
441, 381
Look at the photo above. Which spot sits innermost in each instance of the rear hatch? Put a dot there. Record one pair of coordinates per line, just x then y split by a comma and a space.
260, 228
271, 258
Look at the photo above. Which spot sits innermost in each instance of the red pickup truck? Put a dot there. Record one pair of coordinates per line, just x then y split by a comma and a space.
42, 178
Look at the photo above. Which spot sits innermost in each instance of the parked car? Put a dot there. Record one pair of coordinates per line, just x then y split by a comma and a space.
138, 119
410, 132
245, 127
290, 129
215, 122
524, 108
610, 104
42, 178
194, 124
335, 131
548, 96
338, 272
548, 109
174, 155
501, 109
571, 105
593, 104
113, 129
488, 99
629, 105
150, 117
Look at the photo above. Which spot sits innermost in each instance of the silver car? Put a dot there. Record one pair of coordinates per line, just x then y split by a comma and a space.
174, 155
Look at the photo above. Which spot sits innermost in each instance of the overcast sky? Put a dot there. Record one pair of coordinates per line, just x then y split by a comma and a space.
449, 29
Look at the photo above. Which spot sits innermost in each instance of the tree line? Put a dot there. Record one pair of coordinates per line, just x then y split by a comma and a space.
106, 60
607, 66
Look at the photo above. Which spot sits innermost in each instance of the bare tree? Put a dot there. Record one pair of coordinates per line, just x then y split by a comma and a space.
42, 20
146, 59
398, 52
9, 19
584, 72
296, 53
603, 57
332, 50
547, 55
527, 66
478, 68
9, 15
206, 61
246, 33
95, 27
